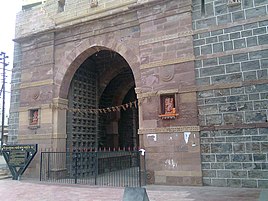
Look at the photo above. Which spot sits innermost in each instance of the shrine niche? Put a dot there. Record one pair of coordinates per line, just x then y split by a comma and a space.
34, 118
168, 106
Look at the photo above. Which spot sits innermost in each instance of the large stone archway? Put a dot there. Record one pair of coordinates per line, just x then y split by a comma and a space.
104, 80
71, 62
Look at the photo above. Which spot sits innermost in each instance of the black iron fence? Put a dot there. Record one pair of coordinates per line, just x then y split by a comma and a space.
104, 168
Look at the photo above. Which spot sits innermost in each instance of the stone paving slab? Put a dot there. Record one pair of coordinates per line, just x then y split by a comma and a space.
11, 190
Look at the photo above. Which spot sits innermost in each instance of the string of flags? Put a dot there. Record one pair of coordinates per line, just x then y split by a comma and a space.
133, 104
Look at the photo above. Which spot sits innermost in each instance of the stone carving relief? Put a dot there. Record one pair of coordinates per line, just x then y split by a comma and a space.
166, 73
150, 80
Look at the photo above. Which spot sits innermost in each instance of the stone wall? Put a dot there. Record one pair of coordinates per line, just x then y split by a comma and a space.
154, 37
231, 51
13, 121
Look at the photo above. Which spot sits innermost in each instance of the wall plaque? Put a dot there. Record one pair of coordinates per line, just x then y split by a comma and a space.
18, 158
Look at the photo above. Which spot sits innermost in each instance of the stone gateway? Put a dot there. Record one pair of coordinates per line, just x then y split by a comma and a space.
186, 80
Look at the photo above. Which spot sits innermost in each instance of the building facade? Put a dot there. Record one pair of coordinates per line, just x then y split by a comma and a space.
185, 80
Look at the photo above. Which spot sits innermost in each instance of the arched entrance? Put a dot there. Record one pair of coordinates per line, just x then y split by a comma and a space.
103, 81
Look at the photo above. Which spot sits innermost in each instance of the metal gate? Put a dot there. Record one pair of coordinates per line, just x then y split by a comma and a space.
103, 168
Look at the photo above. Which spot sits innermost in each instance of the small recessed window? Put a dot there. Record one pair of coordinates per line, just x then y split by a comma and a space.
203, 10
93, 3
61, 5
234, 2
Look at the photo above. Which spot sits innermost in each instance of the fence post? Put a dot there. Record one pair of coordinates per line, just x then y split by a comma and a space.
75, 172
48, 164
41, 165
142, 153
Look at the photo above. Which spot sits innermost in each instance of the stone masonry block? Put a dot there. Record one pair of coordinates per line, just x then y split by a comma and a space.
224, 19
206, 49
263, 183
224, 37
217, 166
236, 16
223, 157
218, 47
233, 118
241, 157
212, 71
221, 148
235, 77
255, 12
219, 182
240, 43
210, 62
231, 68
252, 75
234, 182
240, 57
239, 147
238, 174
229, 107
233, 29
228, 45
235, 35
259, 157
263, 39
260, 2
258, 54
253, 147
223, 174
256, 116
262, 74
225, 59
259, 105
246, 33
259, 31
248, 183
233, 166
214, 119
213, 39
208, 158
217, 32
252, 41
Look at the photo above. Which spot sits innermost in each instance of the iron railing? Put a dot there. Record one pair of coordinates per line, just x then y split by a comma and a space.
103, 168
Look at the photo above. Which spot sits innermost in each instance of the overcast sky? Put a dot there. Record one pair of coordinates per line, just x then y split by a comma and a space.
8, 10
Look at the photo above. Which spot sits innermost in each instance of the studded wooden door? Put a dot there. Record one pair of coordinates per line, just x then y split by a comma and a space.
82, 126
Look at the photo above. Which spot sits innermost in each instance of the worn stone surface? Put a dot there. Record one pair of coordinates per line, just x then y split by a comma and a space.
245, 105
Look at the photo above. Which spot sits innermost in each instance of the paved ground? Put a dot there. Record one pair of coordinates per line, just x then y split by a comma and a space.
25, 190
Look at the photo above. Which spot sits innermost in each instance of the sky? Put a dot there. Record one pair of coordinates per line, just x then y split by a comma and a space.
8, 10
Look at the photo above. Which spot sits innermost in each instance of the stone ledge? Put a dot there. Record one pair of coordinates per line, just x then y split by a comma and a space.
168, 62
168, 129
177, 173
36, 84
234, 126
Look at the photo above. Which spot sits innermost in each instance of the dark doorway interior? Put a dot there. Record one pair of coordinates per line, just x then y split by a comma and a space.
104, 80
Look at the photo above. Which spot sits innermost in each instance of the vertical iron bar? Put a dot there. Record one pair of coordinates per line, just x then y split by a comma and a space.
96, 166
48, 164
145, 174
75, 173
139, 166
41, 165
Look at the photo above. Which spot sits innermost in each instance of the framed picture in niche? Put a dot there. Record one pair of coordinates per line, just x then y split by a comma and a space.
168, 106
34, 117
